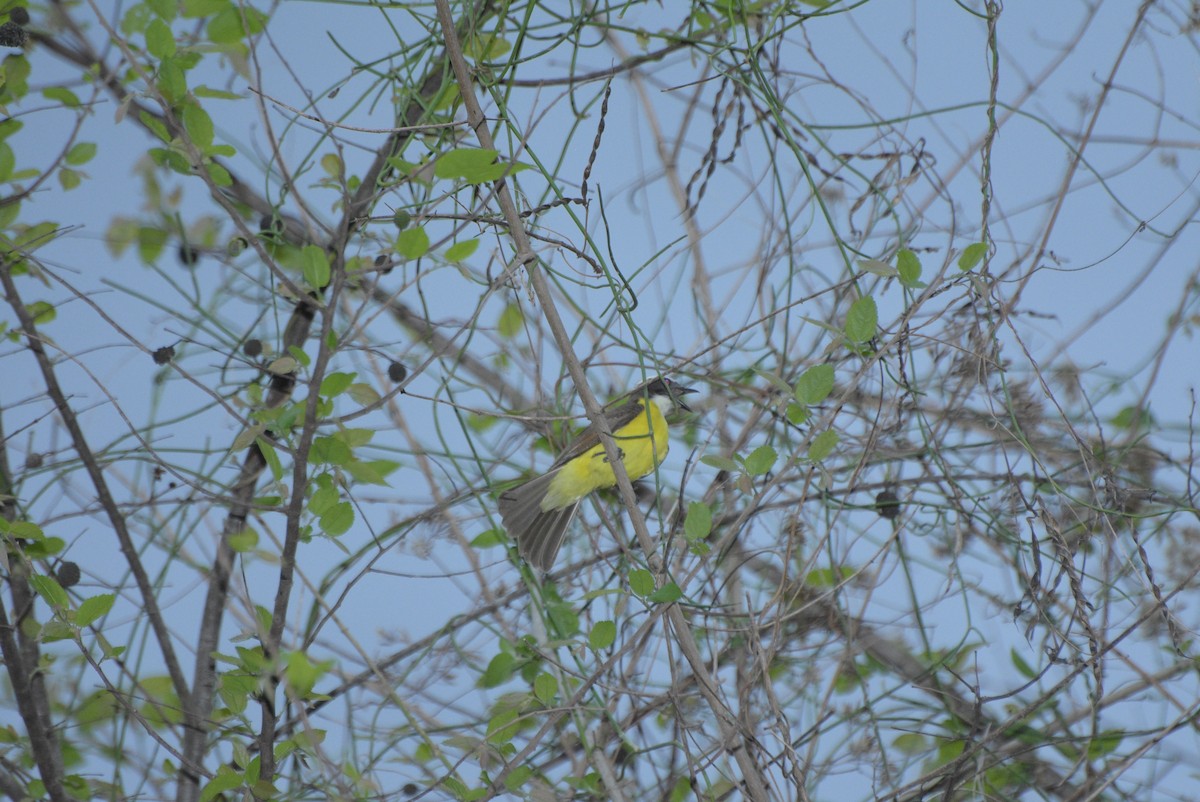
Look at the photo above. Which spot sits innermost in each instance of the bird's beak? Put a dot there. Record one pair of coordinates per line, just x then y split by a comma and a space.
678, 393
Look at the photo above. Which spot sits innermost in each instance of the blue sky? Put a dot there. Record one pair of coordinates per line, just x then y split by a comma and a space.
1100, 298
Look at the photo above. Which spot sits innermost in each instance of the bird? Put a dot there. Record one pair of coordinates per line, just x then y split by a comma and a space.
537, 513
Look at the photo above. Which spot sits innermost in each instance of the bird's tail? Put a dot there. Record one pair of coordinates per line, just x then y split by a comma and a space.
539, 533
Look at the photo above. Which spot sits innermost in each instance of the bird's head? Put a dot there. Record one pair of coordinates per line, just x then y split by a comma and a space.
666, 393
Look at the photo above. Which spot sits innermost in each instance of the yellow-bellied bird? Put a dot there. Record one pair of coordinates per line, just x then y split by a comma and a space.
537, 513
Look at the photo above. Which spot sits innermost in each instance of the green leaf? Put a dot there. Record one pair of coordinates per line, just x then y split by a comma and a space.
498, 671
324, 496
721, 463
68, 178
42, 312
62, 95
760, 460
26, 530
155, 125
151, 242
160, 41
248, 436
486, 47
48, 588
641, 582
363, 393
503, 726
354, 437
490, 538
511, 322
15, 71
338, 519
331, 163
199, 126
461, 250
563, 619
56, 630
227, 27
603, 634
226, 779
136, 18
877, 268
473, 165
314, 265
271, 457
1104, 743
909, 267
302, 673
797, 413
698, 524
47, 547
9, 127
481, 423
204, 8
98, 706
823, 444
776, 382
862, 320
372, 472
668, 593
243, 541
911, 743
1019, 663
8, 161
81, 153
1133, 418
171, 80
412, 243
828, 577
283, 365
171, 159
972, 255
545, 687
93, 608
515, 779
815, 384
331, 451
219, 175
235, 689
336, 383
216, 94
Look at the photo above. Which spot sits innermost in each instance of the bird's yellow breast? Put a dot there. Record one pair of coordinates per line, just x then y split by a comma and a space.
643, 445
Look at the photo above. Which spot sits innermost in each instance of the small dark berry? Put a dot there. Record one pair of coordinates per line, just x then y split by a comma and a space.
397, 372
68, 574
12, 35
34, 461
887, 505
252, 348
188, 255
19, 15
269, 224
164, 355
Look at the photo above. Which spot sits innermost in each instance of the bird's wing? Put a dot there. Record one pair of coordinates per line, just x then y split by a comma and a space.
617, 415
